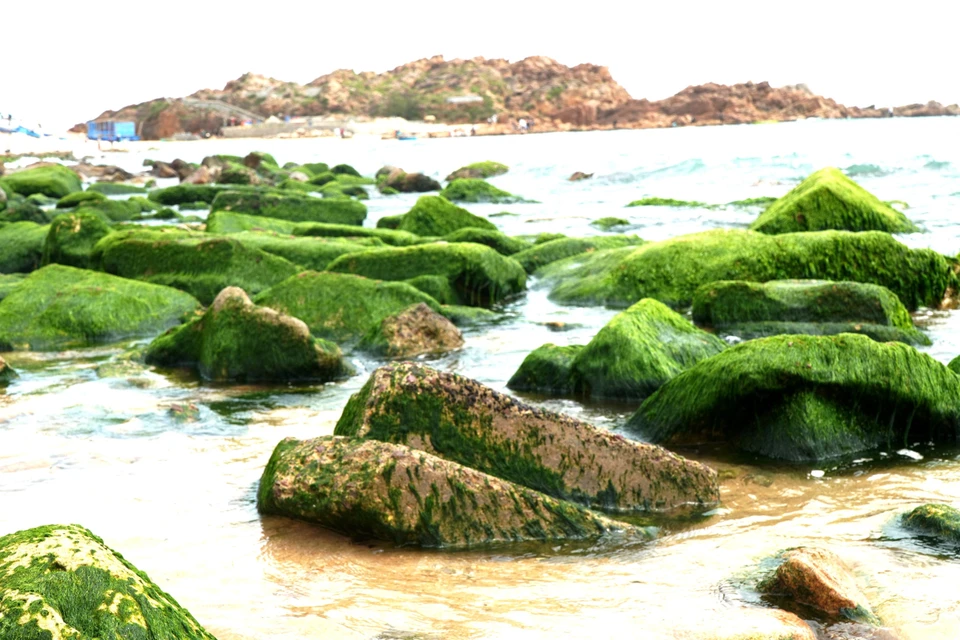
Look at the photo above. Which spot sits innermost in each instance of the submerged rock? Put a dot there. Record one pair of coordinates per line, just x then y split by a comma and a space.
754, 310
436, 216
807, 398
827, 199
51, 180
72, 237
296, 208
481, 170
415, 331
238, 341
58, 306
547, 369
579, 175
461, 420
392, 492
938, 520
545, 253
62, 582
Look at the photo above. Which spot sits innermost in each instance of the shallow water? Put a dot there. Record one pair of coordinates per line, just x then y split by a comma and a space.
164, 467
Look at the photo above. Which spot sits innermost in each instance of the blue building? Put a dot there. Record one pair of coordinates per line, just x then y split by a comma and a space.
112, 131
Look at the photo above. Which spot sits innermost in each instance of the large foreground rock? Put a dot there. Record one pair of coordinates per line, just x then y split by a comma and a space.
386, 491
61, 582
671, 270
238, 341
461, 420
816, 307
807, 398
60, 306
827, 199
295, 208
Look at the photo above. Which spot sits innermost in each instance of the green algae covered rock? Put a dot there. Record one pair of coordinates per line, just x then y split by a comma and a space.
21, 246
386, 491
390, 222
474, 190
479, 275
954, 365
827, 199
9, 282
654, 201
59, 306
113, 210
461, 420
338, 306
344, 169
753, 310
196, 263
481, 170
807, 398
608, 223
296, 208
436, 216
496, 240
116, 188
227, 222
547, 369
74, 199
417, 330
387, 236
307, 252
51, 180
553, 250
437, 287
61, 582
936, 520
20, 209
240, 342
181, 193
72, 237
671, 270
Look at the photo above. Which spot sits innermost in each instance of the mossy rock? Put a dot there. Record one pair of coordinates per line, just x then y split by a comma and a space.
461, 420
116, 188
807, 398
342, 191
59, 306
473, 190
341, 307
390, 492
313, 168
417, 330
53, 181
955, 365
295, 208
544, 253
20, 209
437, 287
42, 200
387, 236
322, 178
297, 186
196, 263
74, 199
608, 223
548, 369
229, 222
181, 193
939, 521
436, 216
671, 270
306, 252
827, 199
114, 210
479, 170
480, 276
21, 246
654, 201
496, 240
62, 582
72, 237
237, 341
344, 169
817, 307
9, 282
390, 222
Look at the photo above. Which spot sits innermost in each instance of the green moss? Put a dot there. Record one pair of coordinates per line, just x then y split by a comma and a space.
474, 190
344, 169
115, 188
665, 202
547, 369
479, 275
390, 222
58, 306
307, 252
437, 287
671, 270
195, 263
313, 168
436, 216
61, 582
20, 209
292, 207
21, 246
387, 236
178, 194
463, 316
807, 398
938, 520
114, 210
496, 240
227, 222
73, 199
761, 201
482, 170
804, 306
338, 306
827, 199
551, 251
605, 224
194, 206
297, 186
320, 179
53, 181
9, 282
72, 237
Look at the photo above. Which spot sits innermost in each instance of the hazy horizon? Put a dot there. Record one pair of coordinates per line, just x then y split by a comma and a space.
72, 68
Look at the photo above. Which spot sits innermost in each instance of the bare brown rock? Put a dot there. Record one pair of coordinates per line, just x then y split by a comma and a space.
105, 173
579, 175
202, 175
419, 330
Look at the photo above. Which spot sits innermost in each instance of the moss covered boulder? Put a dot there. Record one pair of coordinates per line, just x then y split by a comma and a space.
184, 193
807, 398
387, 491
61, 582
827, 199
237, 341
461, 420
307, 252
196, 263
436, 216
21, 246
672, 270
60, 306
116, 188
75, 199
227, 222
296, 208
479, 275
72, 237
496, 240
341, 307
475, 190
479, 170
51, 180
753, 310
417, 330
939, 521
387, 236
553, 250
547, 369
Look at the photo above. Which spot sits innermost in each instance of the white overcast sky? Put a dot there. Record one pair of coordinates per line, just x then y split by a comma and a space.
66, 62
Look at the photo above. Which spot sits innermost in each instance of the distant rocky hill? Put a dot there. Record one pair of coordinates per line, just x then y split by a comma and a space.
555, 96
